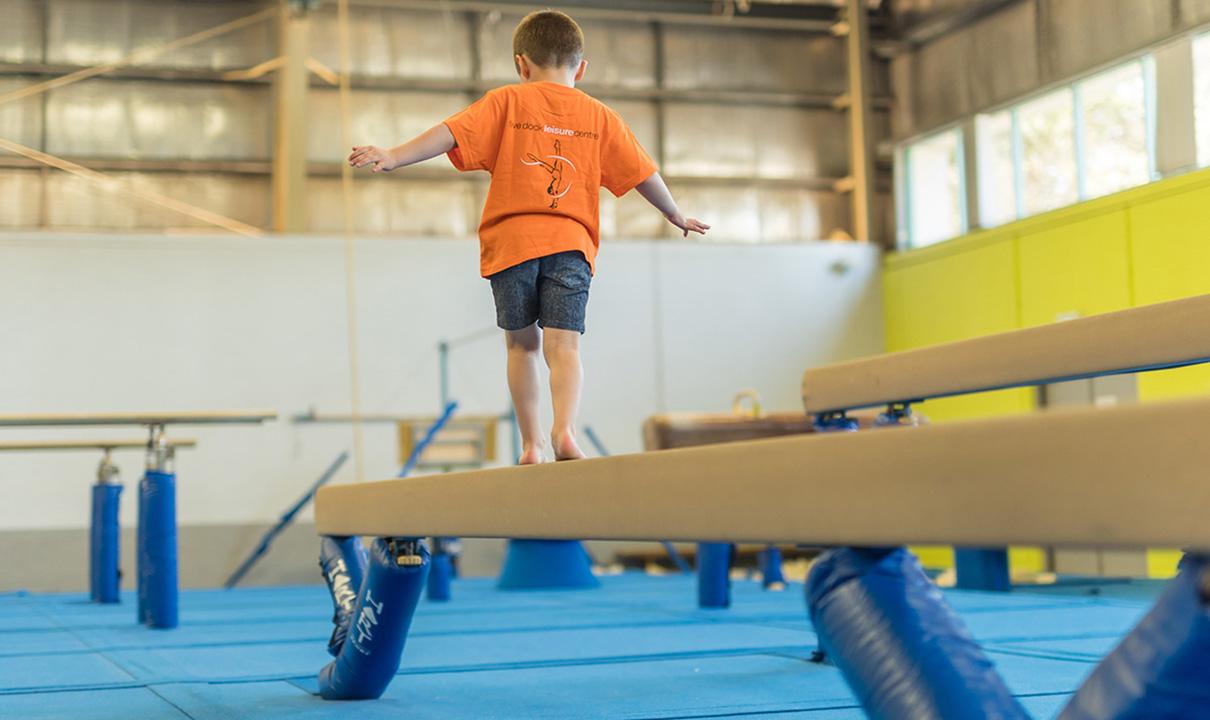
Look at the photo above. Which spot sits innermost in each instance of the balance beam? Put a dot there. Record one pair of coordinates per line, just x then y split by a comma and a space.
51, 445
206, 417
1153, 337
1132, 476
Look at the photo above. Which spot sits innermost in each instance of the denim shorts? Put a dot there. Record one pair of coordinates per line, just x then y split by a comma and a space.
551, 291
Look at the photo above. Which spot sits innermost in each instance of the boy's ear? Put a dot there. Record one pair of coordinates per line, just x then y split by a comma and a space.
580, 70
522, 66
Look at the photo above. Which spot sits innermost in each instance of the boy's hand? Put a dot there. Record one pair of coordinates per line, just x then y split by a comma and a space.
688, 225
381, 159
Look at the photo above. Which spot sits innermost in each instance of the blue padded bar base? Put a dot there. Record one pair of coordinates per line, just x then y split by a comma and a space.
1161, 669
770, 568
985, 569
546, 565
157, 550
343, 563
714, 575
903, 651
371, 654
104, 544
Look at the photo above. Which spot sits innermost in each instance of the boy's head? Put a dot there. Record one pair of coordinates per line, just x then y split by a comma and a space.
548, 40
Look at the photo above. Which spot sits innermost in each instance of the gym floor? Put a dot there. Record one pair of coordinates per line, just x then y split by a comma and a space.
636, 648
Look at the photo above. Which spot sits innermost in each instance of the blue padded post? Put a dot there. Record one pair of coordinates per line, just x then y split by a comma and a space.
104, 577
546, 565
140, 548
903, 651
714, 575
984, 569
1161, 669
371, 654
343, 563
157, 556
772, 577
441, 572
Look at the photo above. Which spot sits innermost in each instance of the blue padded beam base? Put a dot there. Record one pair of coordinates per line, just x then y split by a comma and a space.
343, 563
546, 565
370, 655
982, 569
157, 558
1162, 668
714, 574
903, 651
104, 575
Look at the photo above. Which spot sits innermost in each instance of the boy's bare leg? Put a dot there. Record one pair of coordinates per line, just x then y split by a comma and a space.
562, 350
523, 347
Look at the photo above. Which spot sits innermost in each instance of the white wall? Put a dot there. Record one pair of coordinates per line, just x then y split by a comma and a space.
109, 323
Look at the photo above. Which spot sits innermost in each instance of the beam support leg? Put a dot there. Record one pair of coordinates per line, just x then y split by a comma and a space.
984, 569
714, 574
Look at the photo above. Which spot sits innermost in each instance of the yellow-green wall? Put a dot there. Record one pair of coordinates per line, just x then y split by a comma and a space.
1142, 246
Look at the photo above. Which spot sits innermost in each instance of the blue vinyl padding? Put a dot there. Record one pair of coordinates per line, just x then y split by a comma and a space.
104, 538
159, 594
903, 650
637, 647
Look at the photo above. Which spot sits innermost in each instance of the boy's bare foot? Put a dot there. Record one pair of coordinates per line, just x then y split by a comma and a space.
566, 447
531, 456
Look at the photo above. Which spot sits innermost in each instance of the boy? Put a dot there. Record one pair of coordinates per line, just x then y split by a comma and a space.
548, 147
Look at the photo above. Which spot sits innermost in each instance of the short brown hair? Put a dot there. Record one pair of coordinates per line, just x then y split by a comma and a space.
549, 38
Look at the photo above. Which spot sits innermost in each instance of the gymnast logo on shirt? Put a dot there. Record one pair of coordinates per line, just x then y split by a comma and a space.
559, 168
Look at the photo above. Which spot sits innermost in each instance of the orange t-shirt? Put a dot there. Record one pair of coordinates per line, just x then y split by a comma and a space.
549, 148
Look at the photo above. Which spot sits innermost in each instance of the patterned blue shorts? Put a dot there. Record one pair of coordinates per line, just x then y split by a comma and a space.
551, 291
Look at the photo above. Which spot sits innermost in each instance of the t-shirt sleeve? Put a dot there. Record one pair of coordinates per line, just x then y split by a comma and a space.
477, 131
624, 162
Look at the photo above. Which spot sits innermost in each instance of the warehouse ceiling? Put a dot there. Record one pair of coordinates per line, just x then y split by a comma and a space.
816, 15
914, 22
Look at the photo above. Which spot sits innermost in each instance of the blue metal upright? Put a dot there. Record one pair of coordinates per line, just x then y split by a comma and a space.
442, 568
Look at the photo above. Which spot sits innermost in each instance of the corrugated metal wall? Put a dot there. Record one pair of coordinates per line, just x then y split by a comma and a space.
738, 117
1026, 45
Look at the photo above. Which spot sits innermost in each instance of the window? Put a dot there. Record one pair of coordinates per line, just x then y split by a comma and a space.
1048, 152
1113, 131
936, 208
1201, 97
997, 168
1084, 140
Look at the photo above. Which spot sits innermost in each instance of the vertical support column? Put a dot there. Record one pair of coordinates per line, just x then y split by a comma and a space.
157, 551
1175, 135
970, 176
104, 575
290, 121
861, 135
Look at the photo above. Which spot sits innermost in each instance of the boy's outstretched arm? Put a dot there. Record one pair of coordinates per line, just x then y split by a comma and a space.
432, 143
656, 192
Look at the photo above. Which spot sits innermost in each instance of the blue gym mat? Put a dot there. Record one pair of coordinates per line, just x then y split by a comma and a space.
637, 648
